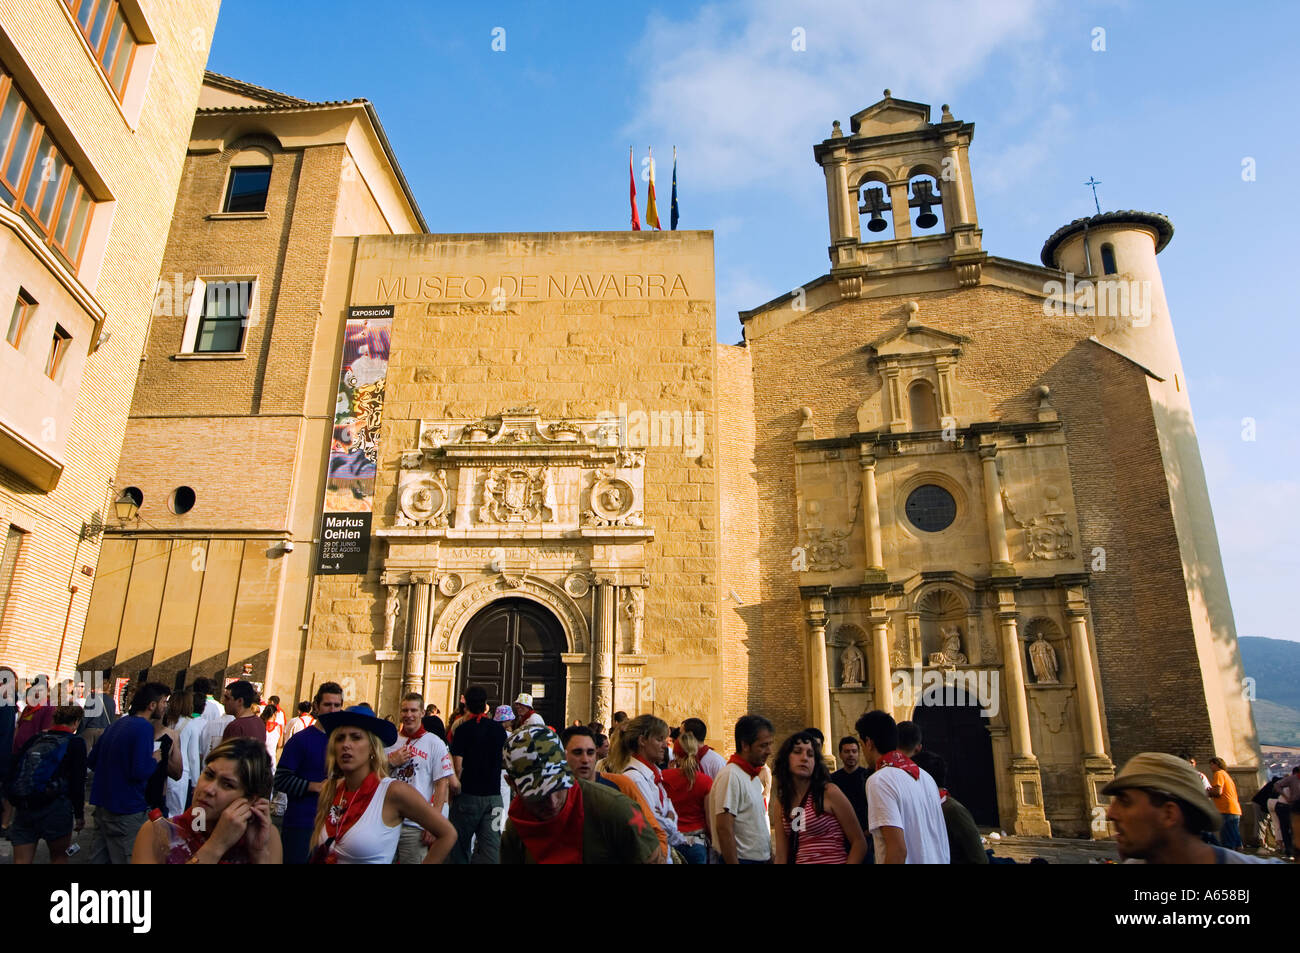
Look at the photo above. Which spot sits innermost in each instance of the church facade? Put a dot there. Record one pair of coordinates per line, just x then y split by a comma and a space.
961, 488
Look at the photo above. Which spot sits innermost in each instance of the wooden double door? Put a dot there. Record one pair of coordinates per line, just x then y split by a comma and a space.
514, 646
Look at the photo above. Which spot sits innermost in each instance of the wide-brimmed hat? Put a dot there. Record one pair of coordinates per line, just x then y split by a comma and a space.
360, 716
503, 713
1173, 777
534, 759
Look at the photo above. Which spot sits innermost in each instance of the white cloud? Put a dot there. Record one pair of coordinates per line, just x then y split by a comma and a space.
744, 107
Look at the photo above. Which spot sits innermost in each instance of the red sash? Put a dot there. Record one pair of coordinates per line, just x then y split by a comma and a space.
896, 760
744, 765
557, 841
342, 815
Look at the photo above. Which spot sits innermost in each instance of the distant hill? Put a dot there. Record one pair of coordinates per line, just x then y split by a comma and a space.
1274, 664
1276, 724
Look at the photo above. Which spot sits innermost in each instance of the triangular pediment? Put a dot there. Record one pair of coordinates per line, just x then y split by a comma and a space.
889, 116
915, 339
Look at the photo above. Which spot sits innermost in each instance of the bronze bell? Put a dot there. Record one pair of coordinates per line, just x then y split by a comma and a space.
923, 197
873, 201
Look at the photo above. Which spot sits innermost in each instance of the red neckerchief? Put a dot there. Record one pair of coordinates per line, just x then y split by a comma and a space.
557, 841
943, 795
896, 760
419, 733
679, 752
342, 815
744, 765
65, 728
654, 768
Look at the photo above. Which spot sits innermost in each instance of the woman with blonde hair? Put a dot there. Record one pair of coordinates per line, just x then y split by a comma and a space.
636, 751
230, 819
688, 787
361, 809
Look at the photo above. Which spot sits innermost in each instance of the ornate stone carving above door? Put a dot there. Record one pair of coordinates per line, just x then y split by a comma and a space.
518, 476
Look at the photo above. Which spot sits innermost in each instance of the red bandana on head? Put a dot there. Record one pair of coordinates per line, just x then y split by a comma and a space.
896, 760
347, 809
557, 841
744, 765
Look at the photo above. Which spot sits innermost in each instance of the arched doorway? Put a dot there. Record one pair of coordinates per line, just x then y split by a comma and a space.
959, 735
514, 646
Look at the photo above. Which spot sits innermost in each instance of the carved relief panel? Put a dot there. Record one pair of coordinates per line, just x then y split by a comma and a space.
517, 475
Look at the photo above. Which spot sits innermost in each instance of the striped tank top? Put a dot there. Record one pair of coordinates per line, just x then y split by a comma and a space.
821, 841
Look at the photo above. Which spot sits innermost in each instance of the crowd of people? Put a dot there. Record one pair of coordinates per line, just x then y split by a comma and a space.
199, 777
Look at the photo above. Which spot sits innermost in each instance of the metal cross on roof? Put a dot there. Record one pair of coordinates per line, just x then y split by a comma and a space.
1094, 183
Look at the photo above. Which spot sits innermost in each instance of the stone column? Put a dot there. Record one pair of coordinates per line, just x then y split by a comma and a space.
821, 683
1098, 769
837, 200
1089, 708
997, 521
1018, 716
871, 509
881, 674
1030, 819
957, 186
418, 633
604, 645
901, 213
894, 396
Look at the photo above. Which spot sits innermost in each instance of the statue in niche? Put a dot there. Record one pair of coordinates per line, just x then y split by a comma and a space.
1043, 658
391, 609
852, 667
952, 653
635, 609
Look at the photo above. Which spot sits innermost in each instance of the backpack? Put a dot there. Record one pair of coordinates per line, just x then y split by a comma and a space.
37, 779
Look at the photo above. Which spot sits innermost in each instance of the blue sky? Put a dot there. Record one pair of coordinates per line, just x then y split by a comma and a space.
535, 138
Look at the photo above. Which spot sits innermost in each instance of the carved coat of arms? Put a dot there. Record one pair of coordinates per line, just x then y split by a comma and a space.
517, 495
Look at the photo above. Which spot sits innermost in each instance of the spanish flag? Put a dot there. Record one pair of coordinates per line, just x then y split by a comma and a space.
631, 178
651, 209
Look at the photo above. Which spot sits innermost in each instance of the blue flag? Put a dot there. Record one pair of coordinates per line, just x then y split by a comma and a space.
672, 215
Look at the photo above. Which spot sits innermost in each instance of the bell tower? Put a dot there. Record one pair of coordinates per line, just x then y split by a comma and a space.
884, 183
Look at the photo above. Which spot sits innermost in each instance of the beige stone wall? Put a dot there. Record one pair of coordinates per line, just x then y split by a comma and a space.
742, 609
570, 343
141, 166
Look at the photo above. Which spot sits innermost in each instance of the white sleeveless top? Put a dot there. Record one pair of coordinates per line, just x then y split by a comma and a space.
370, 840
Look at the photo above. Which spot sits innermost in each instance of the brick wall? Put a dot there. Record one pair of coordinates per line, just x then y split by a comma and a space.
1147, 656
142, 167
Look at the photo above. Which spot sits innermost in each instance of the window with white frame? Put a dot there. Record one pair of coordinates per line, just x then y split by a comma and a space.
220, 312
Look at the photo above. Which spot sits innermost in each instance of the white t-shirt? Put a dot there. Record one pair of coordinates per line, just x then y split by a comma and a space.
736, 793
212, 732
712, 763
894, 799
430, 762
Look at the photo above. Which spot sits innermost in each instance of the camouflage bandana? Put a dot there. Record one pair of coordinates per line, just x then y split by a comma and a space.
534, 759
